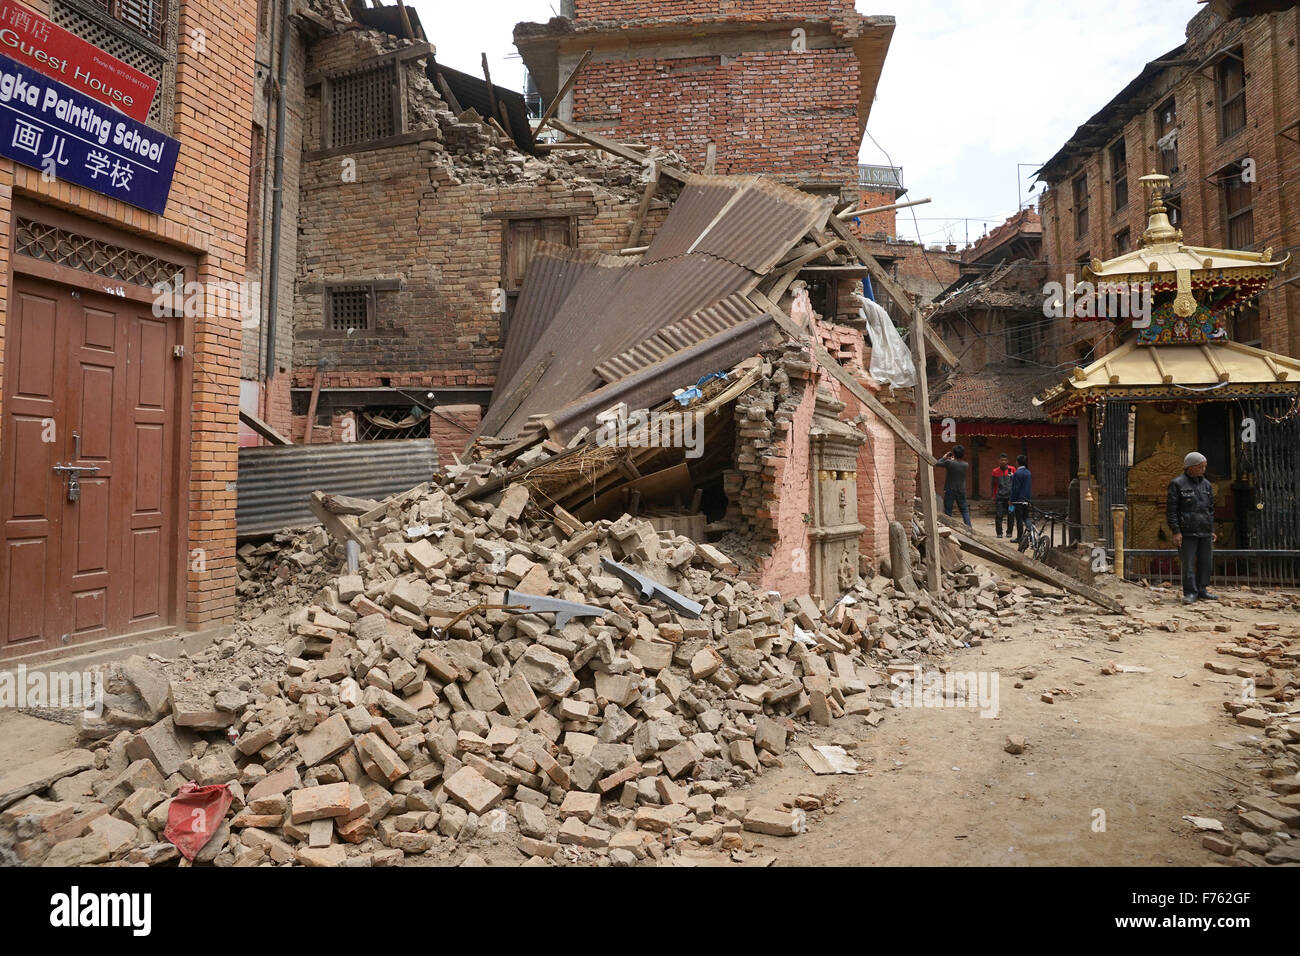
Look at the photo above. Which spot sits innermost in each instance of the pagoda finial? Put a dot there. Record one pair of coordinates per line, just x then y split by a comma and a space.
1159, 228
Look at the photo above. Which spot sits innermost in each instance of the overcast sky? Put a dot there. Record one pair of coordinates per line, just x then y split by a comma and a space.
969, 89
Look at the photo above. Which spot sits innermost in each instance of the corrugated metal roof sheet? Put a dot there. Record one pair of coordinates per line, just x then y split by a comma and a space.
610, 310
748, 220
649, 386
697, 327
276, 482
553, 273
720, 236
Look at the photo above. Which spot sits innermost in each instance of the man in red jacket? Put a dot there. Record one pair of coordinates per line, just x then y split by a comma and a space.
1002, 475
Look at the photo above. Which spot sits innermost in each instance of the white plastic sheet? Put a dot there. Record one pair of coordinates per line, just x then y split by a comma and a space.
891, 362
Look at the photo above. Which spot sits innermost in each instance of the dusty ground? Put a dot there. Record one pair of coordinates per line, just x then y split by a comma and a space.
1144, 748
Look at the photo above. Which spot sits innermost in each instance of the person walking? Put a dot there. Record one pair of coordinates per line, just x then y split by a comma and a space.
1022, 494
1002, 476
1189, 509
954, 486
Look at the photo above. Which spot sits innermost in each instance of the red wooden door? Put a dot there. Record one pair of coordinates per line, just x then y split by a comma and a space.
109, 394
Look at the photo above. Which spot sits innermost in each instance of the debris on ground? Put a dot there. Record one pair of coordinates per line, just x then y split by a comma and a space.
453, 692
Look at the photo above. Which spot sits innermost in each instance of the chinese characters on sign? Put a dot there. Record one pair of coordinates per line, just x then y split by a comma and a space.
45, 46
53, 128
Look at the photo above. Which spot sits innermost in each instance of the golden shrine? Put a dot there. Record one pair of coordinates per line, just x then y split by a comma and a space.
1179, 383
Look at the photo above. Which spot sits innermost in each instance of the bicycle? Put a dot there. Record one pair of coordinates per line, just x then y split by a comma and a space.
1035, 541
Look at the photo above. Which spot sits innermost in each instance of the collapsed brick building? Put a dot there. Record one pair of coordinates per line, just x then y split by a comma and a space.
415, 201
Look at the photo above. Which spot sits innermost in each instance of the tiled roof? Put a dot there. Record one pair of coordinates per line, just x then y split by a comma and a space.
994, 393
1025, 223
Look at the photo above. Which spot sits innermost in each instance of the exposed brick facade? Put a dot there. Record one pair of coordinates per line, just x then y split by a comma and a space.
778, 88
206, 216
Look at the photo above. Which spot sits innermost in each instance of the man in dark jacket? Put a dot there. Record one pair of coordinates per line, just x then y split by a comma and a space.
1022, 493
1189, 509
1002, 476
954, 486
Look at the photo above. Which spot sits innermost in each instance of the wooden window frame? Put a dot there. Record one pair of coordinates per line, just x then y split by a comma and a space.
327, 309
1226, 101
1229, 183
508, 223
1168, 166
1121, 248
1118, 176
1080, 205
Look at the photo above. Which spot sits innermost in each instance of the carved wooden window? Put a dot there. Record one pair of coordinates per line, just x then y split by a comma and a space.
362, 106
140, 33
349, 308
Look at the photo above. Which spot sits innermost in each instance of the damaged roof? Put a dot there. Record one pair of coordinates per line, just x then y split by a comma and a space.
594, 322
996, 393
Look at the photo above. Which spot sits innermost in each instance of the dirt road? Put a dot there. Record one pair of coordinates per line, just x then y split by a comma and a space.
1110, 768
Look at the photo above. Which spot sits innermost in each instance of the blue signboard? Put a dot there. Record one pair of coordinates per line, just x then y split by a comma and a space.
67, 135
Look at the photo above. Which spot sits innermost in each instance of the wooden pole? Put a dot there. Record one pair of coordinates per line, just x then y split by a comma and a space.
563, 92
311, 407
651, 187
491, 90
925, 475
1117, 522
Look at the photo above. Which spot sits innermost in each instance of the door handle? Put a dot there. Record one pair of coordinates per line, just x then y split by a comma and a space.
75, 468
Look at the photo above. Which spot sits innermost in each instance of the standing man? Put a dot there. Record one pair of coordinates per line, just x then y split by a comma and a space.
954, 486
1189, 509
1022, 493
1002, 476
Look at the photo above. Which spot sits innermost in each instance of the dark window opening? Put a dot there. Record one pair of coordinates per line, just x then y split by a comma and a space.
1020, 342
1123, 241
1167, 136
1174, 210
349, 308
1230, 76
1081, 207
1119, 175
1238, 208
1245, 327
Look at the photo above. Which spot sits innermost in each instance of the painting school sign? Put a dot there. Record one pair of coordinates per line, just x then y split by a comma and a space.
45, 46
71, 137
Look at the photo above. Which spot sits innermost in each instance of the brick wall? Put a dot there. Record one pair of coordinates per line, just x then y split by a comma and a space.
1269, 46
206, 213
789, 114
749, 9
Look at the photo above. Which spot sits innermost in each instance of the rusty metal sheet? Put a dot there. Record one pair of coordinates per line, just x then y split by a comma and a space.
697, 327
654, 384
554, 272
276, 482
749, 220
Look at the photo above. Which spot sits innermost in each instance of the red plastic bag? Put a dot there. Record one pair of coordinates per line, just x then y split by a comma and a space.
195, 816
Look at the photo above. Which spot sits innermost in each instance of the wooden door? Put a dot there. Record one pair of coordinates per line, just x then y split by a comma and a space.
97, 374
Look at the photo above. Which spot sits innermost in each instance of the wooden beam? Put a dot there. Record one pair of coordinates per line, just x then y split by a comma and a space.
882, 279
651, 187
491, 92
406, 20
311, 406
559, 96
929, 507
341, 530
618, 149
446, 91
981, 546
841, 375
263, 429
710, 159
498, 415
